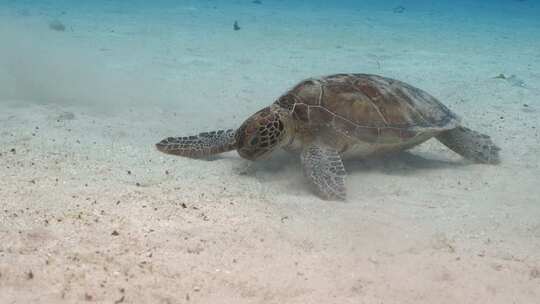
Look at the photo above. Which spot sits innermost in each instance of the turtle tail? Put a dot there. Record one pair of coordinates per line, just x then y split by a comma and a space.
202, 145
470, 144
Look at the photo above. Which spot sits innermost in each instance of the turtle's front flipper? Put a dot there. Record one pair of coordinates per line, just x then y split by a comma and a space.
204, 144
471, 145
325, 171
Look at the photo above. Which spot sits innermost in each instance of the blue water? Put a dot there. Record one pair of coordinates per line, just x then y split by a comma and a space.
279, 42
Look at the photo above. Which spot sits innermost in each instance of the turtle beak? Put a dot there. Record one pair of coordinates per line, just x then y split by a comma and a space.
254, 154
263, 155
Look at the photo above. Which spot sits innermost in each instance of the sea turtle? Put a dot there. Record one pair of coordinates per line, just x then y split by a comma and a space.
329, 118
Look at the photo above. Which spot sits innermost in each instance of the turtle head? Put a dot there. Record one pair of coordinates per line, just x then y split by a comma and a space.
263, 132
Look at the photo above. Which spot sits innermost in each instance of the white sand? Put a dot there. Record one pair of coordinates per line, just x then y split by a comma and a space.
89, 211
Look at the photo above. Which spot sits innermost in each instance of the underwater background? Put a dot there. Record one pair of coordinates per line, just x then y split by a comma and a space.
90, 211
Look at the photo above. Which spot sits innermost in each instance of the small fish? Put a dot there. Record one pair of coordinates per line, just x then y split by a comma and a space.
236, 27
398, 9
57, 26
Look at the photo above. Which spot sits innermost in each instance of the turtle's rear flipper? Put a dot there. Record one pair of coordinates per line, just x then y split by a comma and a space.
202, 145
471, 145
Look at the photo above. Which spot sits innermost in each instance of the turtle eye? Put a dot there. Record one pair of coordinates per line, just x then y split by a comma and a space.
254, 141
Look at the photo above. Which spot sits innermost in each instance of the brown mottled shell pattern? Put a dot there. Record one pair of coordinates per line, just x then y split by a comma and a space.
366, 107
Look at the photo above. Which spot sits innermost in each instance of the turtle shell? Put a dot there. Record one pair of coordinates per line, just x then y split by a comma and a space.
367, 107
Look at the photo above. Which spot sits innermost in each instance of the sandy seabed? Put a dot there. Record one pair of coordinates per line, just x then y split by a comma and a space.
91, 212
